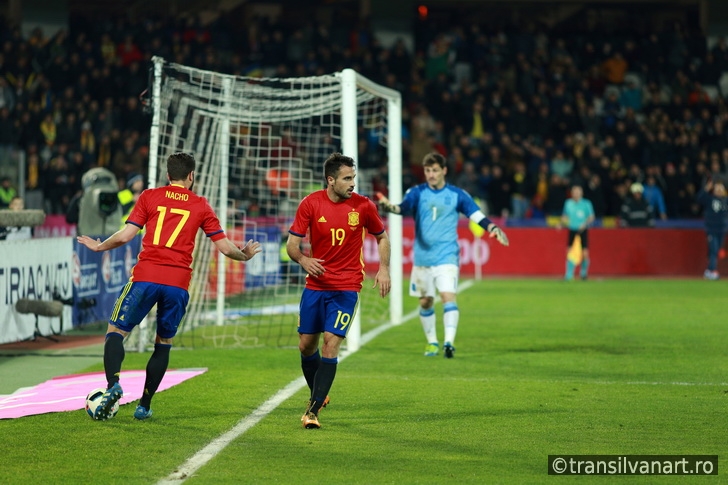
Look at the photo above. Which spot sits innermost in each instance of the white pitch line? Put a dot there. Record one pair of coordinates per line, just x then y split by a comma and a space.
199, 459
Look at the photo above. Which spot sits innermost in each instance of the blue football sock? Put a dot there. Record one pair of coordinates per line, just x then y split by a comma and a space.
569, 270
584, 268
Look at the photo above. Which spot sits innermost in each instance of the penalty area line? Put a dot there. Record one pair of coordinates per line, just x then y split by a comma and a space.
212, 449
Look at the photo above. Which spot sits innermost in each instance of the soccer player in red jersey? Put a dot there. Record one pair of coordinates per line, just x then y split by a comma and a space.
336, 220
172, 215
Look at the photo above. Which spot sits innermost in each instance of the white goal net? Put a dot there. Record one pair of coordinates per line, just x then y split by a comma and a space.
260, 144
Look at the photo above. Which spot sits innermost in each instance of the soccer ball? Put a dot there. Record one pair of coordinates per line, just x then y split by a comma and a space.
94, 399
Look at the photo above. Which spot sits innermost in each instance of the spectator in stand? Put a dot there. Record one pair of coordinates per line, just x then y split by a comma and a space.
698, 96
611, 110
631, 96
615, 67
561, 166
498, 190
673, 185
520, 193
594, 192
654, 198
636, 212
540, 186
710, 71
715, 211
536, 88
127, 160
128, 51
58, 187
558, 193
467, 179
16, 233
7, 192
129, 195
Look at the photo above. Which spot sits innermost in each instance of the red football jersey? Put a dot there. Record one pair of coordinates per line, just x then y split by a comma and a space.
336, 232
172, 215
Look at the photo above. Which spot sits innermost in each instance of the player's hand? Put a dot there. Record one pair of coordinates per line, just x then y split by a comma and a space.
386, 204
251, 248
498, 233
312, 266
91, 243
384, 281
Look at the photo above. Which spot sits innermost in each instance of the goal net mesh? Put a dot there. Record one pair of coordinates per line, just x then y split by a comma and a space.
260, 144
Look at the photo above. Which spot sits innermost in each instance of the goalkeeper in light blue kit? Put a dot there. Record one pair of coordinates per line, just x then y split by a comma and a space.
436, 206
578, 214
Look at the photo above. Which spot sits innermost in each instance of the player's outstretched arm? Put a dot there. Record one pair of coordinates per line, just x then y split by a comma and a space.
226, 247
119, 238
386, 204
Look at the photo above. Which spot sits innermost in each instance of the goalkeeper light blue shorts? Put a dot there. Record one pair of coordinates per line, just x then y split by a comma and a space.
327, 311
425, 280
136, 300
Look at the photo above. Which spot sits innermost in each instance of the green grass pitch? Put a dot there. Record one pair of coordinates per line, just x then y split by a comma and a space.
622, 366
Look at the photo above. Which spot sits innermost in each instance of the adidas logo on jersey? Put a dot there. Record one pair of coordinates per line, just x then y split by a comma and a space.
322, 219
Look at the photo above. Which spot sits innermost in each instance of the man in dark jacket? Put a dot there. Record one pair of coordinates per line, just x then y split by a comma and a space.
715, 209
635, 211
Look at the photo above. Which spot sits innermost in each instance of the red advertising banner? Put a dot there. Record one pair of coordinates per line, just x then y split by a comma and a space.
542, 252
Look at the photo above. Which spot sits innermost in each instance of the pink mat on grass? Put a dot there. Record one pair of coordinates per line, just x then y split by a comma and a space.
68, 393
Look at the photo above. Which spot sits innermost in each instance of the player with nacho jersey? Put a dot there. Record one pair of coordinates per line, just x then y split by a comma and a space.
336, 220
172, 216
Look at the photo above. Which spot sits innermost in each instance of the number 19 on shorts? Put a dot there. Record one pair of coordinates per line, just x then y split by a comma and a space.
342, 320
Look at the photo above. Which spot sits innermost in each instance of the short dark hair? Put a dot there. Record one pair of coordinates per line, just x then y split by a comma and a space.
333, 164
179, 165
434, 158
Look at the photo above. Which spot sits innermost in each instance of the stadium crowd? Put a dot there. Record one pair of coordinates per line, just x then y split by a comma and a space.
521, 113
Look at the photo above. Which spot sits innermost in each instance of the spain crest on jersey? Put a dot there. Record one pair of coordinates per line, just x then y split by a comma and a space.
353, 218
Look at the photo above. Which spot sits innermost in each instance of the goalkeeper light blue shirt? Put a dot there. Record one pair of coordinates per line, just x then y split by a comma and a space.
436, 214
578, 213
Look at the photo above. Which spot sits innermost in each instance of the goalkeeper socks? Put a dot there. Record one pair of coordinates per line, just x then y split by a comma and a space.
113, 357
451, 317
427, 317
309, 366
156, 368
569, 270
584, 268
322, 383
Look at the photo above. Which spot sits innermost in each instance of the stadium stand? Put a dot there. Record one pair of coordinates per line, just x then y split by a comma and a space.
600, 109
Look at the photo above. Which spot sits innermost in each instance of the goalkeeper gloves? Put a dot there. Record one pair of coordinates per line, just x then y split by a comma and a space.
498, 233
385, 203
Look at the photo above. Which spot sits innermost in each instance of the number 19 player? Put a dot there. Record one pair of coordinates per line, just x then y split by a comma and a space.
337, 220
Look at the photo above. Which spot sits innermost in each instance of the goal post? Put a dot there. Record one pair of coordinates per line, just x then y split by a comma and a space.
350, 82
260, 144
